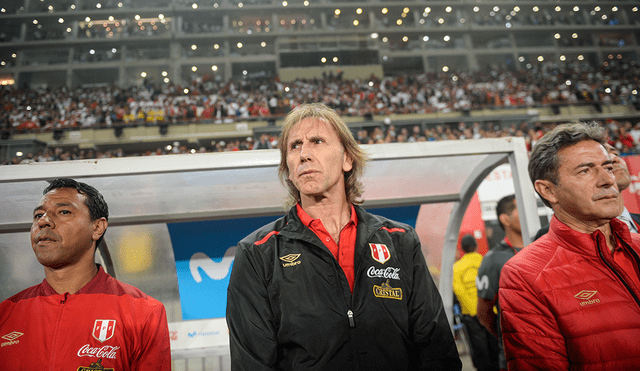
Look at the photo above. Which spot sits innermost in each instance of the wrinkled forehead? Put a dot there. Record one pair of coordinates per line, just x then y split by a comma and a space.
586, 151
69, 196
311, 126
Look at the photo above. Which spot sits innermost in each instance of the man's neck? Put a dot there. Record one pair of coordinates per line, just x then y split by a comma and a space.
588, 228
514, 237
70, 279
333, 214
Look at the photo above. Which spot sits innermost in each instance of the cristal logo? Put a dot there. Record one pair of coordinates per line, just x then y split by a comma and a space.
106, 351
214, 270
586, 295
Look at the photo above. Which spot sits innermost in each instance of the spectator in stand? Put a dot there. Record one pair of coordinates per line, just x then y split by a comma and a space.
263, 143
626, 141
531, 87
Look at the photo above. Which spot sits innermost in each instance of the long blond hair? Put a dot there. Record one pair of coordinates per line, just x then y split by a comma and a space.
353, 185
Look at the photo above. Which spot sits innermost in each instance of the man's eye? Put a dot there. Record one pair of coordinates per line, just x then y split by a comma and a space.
37, 216
65, 212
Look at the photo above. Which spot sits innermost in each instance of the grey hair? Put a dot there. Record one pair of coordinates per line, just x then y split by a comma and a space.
544, 161
353, 184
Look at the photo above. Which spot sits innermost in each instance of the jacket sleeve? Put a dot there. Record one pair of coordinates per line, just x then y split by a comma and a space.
155, 353
252, 329
530, 332
434, 346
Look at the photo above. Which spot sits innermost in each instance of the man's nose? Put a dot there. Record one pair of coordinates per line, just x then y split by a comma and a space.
45, 221
607, 178
305, 152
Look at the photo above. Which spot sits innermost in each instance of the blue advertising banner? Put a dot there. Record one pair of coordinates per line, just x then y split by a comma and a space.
204, 253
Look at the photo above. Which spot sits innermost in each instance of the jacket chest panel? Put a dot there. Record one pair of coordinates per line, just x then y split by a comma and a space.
587, 307
98, 336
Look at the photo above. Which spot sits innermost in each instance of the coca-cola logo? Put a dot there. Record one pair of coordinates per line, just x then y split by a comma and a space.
105, 351
388, 273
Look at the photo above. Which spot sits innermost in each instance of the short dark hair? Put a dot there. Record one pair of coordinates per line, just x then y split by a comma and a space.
544, 161
506, 205
98, 207
468, 243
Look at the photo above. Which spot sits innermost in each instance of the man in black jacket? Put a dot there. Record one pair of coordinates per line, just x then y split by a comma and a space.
330, 286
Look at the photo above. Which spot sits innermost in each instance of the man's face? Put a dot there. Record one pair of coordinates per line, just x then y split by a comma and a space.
316, 159
513, 221
586, 196
620, 169
62, 232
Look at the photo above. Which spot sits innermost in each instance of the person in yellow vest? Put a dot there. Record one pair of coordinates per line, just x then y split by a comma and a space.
484, 347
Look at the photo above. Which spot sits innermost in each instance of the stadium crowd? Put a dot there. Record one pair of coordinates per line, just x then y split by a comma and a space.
624, 135
207, 99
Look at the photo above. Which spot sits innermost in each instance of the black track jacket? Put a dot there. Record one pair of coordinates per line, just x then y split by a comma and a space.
289, 305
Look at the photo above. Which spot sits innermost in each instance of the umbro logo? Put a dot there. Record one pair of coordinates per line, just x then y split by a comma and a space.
11, 337
586, 295
290, 260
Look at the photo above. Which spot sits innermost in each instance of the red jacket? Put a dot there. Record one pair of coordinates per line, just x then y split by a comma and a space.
107, 323
566, 304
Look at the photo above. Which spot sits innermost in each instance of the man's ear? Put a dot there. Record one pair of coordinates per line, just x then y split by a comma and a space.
347, 162
504, 219
547, 190
99, 227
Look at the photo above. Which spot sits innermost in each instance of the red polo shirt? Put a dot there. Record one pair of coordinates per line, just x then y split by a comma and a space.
344, 251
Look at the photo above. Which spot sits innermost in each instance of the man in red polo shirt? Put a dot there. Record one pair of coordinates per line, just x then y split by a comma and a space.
330, 286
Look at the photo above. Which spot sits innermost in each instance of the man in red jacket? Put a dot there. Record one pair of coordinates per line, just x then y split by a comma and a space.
570, 300
79, 317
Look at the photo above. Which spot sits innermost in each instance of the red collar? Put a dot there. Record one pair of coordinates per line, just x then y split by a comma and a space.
307, 220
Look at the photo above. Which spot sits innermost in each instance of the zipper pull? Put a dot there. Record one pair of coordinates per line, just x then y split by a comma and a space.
352, 322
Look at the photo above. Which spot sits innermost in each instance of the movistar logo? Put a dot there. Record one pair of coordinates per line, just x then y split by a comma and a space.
482, 283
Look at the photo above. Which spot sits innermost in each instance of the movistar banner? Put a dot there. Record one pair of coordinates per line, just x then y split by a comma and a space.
204, 253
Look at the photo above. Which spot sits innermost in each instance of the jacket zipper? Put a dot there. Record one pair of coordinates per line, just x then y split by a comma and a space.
352, 322
350, 316
63, 302
338, 271
616, 272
